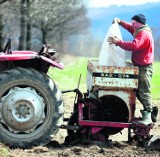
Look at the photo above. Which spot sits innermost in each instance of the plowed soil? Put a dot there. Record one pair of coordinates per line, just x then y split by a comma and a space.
117, 146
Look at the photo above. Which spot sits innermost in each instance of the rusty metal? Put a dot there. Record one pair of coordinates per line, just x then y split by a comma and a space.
111, 77
121, 82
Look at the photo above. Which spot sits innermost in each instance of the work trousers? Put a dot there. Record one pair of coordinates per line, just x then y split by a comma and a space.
144, 85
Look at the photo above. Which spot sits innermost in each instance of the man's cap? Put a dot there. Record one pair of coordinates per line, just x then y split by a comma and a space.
139, 18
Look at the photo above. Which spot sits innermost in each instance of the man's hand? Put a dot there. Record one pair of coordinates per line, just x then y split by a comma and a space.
113, 40
116, 19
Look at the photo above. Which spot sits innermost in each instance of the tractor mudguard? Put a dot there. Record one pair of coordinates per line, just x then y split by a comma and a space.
25, 55
53, 63
18, 55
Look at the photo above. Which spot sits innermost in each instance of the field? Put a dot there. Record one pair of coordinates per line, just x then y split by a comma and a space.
68, 79
69, 76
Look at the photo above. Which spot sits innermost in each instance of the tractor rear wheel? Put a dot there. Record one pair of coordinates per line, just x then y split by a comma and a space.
31, 108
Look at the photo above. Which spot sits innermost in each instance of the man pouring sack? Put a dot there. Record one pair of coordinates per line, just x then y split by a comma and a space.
142, 48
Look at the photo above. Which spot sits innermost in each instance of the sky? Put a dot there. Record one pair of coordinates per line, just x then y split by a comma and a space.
106, 3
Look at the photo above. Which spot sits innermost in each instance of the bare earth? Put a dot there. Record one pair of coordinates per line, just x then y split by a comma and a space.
119, 147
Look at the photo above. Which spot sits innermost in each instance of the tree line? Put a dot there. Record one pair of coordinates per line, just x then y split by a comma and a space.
31, 23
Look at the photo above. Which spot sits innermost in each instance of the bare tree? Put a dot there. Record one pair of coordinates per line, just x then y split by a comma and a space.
9, 21
56, 20
1, 32
23, 22
28, 35
1, 27
60, 19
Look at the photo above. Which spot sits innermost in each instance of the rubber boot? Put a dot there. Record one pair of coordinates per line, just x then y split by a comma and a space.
146, 118
154, 114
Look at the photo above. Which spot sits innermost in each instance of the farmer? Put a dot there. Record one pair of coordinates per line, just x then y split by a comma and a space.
142, 48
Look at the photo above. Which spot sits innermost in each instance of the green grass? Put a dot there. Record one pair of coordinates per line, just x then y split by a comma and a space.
68, 78
155, 83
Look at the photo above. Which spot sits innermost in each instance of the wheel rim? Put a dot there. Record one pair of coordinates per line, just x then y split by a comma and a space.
22, 110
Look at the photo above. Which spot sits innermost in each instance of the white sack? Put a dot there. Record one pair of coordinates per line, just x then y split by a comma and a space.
110, 54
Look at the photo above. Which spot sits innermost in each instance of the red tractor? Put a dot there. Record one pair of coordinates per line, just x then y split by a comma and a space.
31, 107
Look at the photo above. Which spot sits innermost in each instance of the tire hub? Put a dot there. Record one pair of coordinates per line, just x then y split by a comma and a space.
22, 110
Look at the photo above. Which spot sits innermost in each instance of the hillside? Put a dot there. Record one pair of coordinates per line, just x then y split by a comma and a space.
101, 18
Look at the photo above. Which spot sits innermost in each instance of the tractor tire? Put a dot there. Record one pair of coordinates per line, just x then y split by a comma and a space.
31, 108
